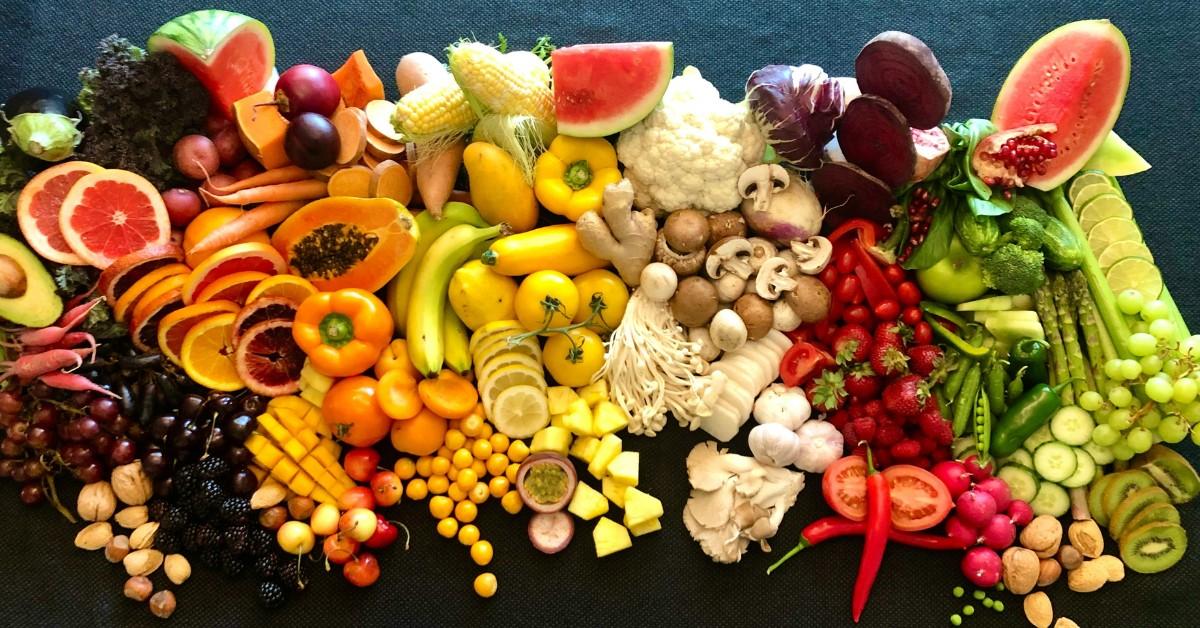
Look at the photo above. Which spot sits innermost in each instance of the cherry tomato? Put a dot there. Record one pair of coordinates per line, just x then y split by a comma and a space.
363, 571
919, 500
385, 533
858, 314
912, 315
846, 288
357, 497
894, 273
824, 330
922, 333
387, 488
339, 548
887, 310
800, 334
829, 276
846, 261
360, 463
908, 293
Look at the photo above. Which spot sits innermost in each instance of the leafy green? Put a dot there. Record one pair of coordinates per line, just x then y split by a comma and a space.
956, 171
13, 177
101, 324
501, 42
937, 240
71, 280
543, 47
994, 206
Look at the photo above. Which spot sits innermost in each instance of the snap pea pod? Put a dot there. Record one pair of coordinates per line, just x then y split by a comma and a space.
955, 381
964, 404
995, 386
983, 427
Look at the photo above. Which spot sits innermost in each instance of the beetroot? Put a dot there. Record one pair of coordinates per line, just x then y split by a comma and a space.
982, 566
954, 475
902, 69
846, 191
975, 507
875, 136
999, 532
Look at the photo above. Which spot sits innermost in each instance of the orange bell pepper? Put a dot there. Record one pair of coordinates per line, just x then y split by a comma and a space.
342, 332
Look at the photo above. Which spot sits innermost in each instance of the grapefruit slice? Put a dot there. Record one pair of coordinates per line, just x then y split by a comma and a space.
175, 326
233, 259
207, 354
143, 328
268, 359
293, 288
233, 287
231, 54
601, 89
123, 273
264, 309
125, 302
112, 213
204, 224
39, 205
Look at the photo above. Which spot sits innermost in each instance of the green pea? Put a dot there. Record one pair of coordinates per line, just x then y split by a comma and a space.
979, 595
956, 620
968, 610
998, 606
988, 603
999, 586
958, 592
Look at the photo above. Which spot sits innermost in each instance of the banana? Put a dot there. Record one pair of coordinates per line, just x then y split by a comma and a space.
427, 304
430, 228
455, 340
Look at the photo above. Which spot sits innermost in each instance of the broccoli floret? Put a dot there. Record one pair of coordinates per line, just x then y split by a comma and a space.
1026, 233
1025, 207
1014, 270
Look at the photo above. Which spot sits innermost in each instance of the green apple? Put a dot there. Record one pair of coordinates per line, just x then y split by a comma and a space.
956, 278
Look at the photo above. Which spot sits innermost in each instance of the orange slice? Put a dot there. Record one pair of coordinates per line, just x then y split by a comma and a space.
126, 300
143, 327
233, 259
293, 288
234, 287
175, 326
207, 353
204, 224
166, 286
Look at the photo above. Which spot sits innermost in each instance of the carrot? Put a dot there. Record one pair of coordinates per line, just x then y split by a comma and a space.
286, 174
436, 175
352, 181
306, 190
449, 395
351, 125
390, 180
251, 221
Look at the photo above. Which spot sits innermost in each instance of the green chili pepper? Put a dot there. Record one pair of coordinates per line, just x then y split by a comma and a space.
963, 346
1017, 385
941, 311
1028, 413
995, 387
983, 427
964, 404
1032, 355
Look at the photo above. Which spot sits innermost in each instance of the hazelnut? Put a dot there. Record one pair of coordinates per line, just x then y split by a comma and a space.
96, 502
273, 517
1086, 537
178, 568
1049, 572
1021, 569
1038, 609
94, 536
117, 549
162, 605
300, 507
1069, 557
138, 588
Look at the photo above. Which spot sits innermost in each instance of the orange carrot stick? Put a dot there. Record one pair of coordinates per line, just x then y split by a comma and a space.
306, 190
251, 221
286, 174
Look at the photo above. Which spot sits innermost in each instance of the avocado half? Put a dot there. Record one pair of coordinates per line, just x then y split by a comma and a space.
35, 303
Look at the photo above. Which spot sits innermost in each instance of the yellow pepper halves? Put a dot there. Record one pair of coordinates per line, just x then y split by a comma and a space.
570, 177
342, 332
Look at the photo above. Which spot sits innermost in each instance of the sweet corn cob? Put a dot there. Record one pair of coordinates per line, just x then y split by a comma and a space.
434, 110
509, 84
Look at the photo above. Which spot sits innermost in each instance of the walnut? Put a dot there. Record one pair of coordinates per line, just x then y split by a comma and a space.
131, 484
1042, 534
1021, 569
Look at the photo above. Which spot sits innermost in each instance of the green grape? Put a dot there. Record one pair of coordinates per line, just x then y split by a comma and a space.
1154, 310
1091, 401
1105, 435
1151, 364
1162, 329
1120, 396
1151, 419
1112, 369
1120, 420
1130, 301
1139, 327
1190, 346
1185, 390
1130, 369
1142, 344
1191, 412
1196, 434
1159, 389
1173, 429
1139, 439
1173, 367
1121, 451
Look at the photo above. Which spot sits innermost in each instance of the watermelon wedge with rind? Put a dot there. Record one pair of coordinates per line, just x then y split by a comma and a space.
112, 213
1117, 158
1075, 77
602, 89
233, 55
39, 206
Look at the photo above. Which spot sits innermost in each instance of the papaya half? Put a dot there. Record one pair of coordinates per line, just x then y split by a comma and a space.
346, 242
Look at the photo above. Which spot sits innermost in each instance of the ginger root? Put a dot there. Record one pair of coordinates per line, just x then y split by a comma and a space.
623, 236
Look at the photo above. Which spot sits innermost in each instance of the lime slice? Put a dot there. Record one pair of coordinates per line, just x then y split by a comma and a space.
1137, 273
504, 378
1107, 205
499, 346
1086, 178
1112, 230
1088, 192
492, 329
1118, 250
520, 411
506, 359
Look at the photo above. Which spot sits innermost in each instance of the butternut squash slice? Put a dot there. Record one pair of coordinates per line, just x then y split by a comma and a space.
358, 80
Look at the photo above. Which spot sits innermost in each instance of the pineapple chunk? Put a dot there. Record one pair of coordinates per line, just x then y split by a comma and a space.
594, 393
578, 418
308, 438
313, 396
302, 484
559, 397
284, 470
585, 448
640, 507
556, 420
610, 418
613, 490
295, 449
609, 447
653, 525
610, 537
315, 379
271, 426
624, 468
555, 439
587, 503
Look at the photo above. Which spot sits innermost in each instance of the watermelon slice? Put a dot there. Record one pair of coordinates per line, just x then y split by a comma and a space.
110, 214
601, 89
233, 55
1074, 77
38, 207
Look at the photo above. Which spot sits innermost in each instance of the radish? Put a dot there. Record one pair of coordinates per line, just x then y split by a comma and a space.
954, 475
975, 507
1020, 512
979, 473
999, 491
956, 529
982, 567
999, 532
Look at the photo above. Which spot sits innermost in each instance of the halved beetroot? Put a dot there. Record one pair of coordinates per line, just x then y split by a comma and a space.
268, 359
847, 191
875, 136
902, 69
38, 207
264, 309
125, 271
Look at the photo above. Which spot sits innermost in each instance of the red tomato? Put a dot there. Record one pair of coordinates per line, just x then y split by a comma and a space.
858, 314
361, 463
829, 276
887, 311
919, 499
922, 333
912, 315
894, 273
387, 488
846, 288
339, 548
357, 497
909, 293
363, 571
846, 261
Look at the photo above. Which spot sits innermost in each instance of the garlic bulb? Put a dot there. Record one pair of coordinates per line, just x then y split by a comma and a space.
774, 444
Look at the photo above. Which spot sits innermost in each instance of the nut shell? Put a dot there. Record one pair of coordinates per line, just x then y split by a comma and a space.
95, 536
177, 568
1088, 577
1042, 534
1113, 566
1086, 537
131, 484
131, 517
1021, 570
96, 501
143, 562
1038, 609
143, 536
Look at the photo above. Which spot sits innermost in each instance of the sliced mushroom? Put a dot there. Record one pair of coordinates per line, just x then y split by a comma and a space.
730, 287
761, 183
684, 264
761, 250
773, 279
813, 255
731, 255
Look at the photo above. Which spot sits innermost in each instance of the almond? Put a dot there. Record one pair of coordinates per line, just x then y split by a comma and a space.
268, 495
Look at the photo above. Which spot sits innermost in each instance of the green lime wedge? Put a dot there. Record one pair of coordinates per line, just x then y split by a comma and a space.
1107, 205
1135, 272
1122, 249
1084, 179
1112, 230
1091, 191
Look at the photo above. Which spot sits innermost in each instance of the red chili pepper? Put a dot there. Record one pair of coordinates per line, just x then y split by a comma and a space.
835, 527
874, 284
802, 362
879, 524
865, 228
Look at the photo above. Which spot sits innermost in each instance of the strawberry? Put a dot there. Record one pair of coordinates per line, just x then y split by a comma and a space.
905, 395
865, 428
828, 392
862, 383
923, 359
849, 435
851, 343
887, 355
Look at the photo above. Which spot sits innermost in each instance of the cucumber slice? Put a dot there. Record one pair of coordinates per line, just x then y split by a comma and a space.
960, 445
1021, 457
1051, 499
1038, 438
1085, 470
1101, 455
1137, 273
1054, 461
1072, 425
1021, 481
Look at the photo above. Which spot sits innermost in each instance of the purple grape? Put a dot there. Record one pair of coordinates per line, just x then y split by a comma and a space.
89, 473
104, 409
88, 427
123, 452
40, 438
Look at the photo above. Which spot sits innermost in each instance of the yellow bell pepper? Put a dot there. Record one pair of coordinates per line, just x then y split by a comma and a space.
570, 177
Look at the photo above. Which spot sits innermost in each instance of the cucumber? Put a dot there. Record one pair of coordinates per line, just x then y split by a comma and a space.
1054, 461
1021, 457
1039, 438
1051, 499
1085, 470
1101, 455
960, 445
1072, 425
1021, 481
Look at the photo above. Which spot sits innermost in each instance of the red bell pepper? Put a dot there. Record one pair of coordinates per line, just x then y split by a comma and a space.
874, 284
867, 231
803, 362
835, 527
879, 525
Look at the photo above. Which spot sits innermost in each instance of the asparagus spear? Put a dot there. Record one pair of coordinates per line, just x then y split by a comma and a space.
1097, 356
1044, 302
1070, 337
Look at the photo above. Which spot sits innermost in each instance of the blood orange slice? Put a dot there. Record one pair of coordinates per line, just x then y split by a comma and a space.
175, 326
112, 213
124, 272
207, 354
264, 309
156, 292
39, 205
123, 306
234, 287
233, 259
147, 317
268, 359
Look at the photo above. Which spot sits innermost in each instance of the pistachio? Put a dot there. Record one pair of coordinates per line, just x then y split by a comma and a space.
1088, 577
94, 536
1049, 572
143, 536
138, 588
268, 495
143, 562
1043, 533
1038, 609
1021, 569
96, 501
178, 568
131, 517
1069, 557
162, 605
131, 484
117, 549
1086, 537
1113, 566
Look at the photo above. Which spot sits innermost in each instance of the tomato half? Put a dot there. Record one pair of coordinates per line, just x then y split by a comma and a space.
919, 500
845, 487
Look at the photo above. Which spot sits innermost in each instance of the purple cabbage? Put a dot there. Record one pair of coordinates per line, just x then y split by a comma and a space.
798, 108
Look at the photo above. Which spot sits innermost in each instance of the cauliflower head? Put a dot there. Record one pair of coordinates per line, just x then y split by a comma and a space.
691, 149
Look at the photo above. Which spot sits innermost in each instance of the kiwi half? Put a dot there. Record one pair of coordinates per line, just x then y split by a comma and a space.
1096, 498
1120, 486
1153, 547
1177, 476
1154, 513
1133, 504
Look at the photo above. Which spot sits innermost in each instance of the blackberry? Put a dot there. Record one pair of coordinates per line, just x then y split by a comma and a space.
232, 566
260, 541
292, 575
270, 594
212, 468
167, 542
175, 519
156, 508
207, 497
187, 479
235, 509
236, 538
211, 558
267, 565
207, 536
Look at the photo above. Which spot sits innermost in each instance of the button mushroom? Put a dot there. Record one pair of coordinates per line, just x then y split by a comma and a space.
684, 264
755, 311
731, 255
695, 302
786, 319
812, 255
774, 279
727, 330
730, 287
687, 231
726, 225
810, 299
705, 348
761, 183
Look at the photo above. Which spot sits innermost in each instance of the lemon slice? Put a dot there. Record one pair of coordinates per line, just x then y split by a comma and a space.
1122, 249
499, 346
491, 329
1137, 273
1089, 192
520, 411
502, 360
1102, 207
504, 378
1112, 230
1086, 178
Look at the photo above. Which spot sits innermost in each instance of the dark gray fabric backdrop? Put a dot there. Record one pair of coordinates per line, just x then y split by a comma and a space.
664, 579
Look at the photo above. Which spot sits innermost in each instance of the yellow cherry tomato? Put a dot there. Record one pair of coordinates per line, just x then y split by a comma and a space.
511, 472
546, 298
467, 479
603, 290
511, 502
465, 511
481, 449
486, 585
471, 425
440, 465
463, 458
468, 534
479, 493
438, 484
481, 552
498, 486
496, 464
441, 507
417, 489
447, 527
518, 451
456, 492
424, 466
574, 357
455, 439
405, 468
499, 442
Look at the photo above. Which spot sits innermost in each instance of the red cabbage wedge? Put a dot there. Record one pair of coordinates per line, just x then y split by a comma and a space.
798, 108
